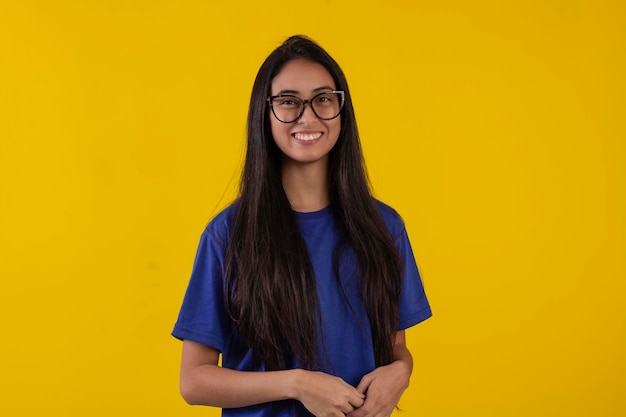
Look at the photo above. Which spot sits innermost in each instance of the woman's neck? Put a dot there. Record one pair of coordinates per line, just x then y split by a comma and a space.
306, 185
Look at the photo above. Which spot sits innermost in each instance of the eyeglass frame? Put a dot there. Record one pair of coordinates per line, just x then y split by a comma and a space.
309, 102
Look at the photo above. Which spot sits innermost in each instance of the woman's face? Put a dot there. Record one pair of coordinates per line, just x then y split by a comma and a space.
309, 139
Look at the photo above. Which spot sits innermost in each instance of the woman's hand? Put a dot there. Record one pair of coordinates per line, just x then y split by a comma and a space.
384, 386
325, 395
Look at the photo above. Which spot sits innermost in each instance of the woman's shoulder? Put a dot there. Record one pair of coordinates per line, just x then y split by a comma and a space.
391, 217
220, 225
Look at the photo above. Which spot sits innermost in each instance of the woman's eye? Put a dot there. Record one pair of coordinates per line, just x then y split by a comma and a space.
288, 102
324, 99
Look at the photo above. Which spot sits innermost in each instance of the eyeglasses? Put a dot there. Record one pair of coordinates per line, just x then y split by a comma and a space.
288, 108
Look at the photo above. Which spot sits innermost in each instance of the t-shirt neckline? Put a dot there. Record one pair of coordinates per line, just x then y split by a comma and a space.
313, 215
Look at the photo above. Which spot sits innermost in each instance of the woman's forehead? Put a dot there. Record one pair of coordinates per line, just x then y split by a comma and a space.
300, 76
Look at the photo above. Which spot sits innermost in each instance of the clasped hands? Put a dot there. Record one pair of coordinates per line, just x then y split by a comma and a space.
376, 395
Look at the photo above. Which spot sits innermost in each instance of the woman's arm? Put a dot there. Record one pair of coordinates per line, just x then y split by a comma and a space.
384, 386
203, 382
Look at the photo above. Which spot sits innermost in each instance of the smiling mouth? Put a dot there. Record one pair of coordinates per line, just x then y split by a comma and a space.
307, 136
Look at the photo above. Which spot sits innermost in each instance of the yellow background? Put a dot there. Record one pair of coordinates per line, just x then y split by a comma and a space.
496, 128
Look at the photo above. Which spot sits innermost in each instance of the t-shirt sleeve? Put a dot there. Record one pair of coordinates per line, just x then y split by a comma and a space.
202, 317
414, 307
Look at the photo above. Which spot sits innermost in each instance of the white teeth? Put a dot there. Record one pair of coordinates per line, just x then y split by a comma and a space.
307, 136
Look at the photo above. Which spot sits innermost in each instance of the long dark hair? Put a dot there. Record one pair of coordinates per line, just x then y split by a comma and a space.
270, 287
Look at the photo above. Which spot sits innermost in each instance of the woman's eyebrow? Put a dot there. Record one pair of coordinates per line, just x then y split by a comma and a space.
295, 92
287, 92
326, 87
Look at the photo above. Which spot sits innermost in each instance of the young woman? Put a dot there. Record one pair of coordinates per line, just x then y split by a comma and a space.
306, 283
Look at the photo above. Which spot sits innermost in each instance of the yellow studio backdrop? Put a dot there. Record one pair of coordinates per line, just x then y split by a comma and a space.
495, 128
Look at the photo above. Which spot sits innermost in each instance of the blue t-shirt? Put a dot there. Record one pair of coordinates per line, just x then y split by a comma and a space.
345, 326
